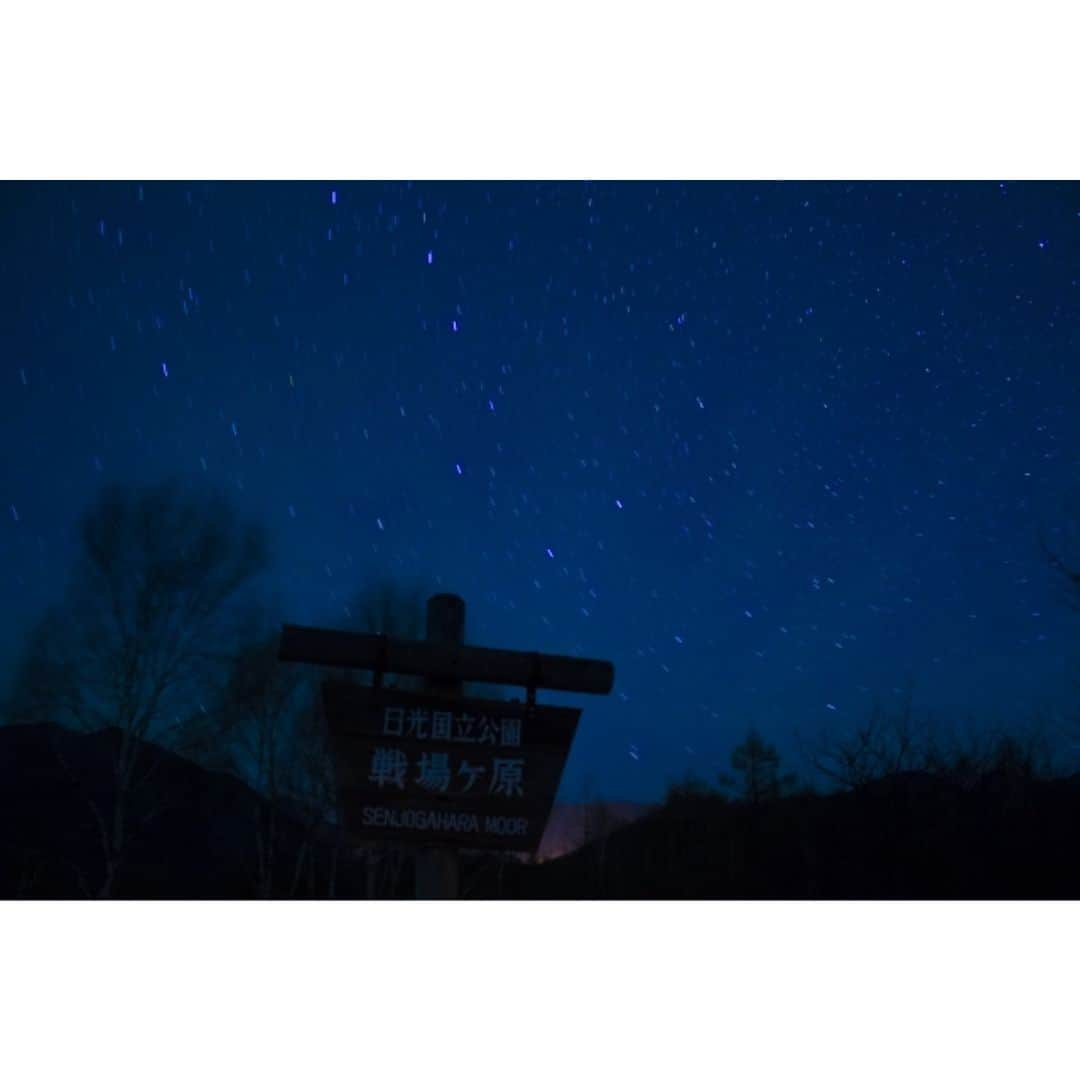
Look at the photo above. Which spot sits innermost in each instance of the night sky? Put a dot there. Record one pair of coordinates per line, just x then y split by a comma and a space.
773, 449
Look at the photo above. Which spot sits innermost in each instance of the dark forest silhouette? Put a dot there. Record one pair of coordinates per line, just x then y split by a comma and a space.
154, 746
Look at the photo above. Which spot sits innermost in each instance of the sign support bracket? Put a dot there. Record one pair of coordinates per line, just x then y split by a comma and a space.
530, 688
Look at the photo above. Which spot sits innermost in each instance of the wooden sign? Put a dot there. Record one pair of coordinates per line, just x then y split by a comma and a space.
438, 770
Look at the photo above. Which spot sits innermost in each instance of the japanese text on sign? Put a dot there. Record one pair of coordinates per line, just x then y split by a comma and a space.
450, 727
435, 772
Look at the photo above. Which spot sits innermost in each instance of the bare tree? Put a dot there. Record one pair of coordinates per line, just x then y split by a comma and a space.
1067, 569
265, 726
137, 644
46, 686
885, 743
259, 717
891, 742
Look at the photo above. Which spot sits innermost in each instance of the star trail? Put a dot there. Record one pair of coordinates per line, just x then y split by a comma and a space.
777, 450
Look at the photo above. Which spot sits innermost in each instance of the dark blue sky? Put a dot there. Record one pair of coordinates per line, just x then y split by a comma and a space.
771, 448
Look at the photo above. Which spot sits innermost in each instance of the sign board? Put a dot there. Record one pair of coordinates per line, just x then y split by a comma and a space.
436, 770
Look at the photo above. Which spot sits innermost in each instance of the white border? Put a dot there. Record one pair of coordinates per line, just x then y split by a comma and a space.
569, 88
538, 990
564, 89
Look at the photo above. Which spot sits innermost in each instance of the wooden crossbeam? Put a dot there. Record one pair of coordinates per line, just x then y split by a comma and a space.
434, 660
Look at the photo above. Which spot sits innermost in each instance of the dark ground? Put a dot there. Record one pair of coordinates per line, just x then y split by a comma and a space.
194, 835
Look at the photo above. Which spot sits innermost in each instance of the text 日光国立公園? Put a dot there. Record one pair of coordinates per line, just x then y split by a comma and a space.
448, 726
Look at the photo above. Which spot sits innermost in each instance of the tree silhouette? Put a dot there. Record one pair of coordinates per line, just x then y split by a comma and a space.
265, 726
260, 711
885, 743
758, 764
689, 788
138, 642
1067, 569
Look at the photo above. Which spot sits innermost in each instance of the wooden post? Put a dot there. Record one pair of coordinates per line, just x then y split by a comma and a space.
438, 869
